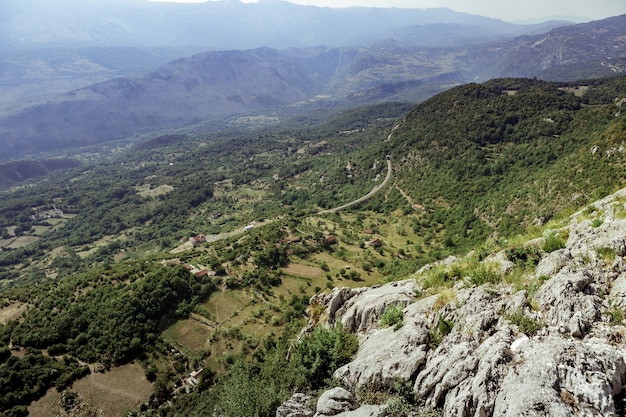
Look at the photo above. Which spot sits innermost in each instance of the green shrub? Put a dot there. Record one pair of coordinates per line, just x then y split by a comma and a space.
444, 327
483, 274
393, 317
552, 242
527, 325
616, 315
318, 355
524, 257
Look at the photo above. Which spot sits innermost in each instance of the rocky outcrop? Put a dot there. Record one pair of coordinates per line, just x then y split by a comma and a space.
296, 406
334, 402
561, 377
398, 354
492, 350
359, 309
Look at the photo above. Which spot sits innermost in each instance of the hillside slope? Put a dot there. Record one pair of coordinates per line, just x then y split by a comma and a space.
535, 338
510, 153
207, 86
472, 168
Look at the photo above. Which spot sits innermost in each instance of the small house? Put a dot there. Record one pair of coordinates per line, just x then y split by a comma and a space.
197, 240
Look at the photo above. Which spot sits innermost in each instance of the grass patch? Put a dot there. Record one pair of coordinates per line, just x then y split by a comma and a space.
190, 334
115, 392
607, 254
552, 243
526, 325
393, 317
483, 274
616, 315
435, 337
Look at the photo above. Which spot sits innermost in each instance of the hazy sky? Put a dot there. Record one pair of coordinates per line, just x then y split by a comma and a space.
509, 10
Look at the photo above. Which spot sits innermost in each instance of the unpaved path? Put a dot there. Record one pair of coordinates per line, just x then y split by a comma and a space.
213, 238
366, 197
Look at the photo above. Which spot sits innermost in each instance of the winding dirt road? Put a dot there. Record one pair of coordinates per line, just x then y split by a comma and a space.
212, 238
366, 197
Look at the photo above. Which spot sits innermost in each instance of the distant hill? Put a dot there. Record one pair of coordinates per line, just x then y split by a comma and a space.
508, 154
48, 48
31, 76
14, 172
214, 85
215, 25
586, 50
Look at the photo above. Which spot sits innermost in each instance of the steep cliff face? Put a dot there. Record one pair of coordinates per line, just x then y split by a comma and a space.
480, 350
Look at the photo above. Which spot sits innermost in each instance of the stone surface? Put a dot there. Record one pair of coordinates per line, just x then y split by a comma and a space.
618, 291
359, 310
385, 355
334, 402
296, 406
568, 300
559, 377
486, 366
553, 263
363, 411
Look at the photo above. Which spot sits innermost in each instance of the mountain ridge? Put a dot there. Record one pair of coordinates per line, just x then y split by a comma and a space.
214, 85
234, 24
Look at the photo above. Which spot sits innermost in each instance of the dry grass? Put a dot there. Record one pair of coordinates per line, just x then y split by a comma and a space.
12, 312
222, 305
145, 190
115, 392
305, 271
189, 334
22, 241
47, 405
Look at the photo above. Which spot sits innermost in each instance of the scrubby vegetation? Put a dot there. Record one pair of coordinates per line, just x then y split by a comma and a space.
98, 263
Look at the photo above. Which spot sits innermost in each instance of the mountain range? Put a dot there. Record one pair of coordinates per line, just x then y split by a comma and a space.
54, 48
221, 25
214, 85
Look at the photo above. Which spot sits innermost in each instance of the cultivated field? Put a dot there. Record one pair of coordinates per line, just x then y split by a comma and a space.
115, 392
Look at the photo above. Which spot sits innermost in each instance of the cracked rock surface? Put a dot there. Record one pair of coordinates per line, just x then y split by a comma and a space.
557, 349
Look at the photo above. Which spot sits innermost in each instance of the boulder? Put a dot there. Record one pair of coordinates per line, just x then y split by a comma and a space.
560, 377
466, 374
363, 411
359, 310
476, 394
568, 301
584, 239
502, 262
334, 402
618, 292
387, 354
553, 263
296, 406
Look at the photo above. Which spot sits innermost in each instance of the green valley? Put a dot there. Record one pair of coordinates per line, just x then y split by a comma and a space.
195, 255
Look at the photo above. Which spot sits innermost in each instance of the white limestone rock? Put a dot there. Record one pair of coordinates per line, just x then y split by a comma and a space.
360, 310
296, 406
568, 300
385, 355
334, 402
618, 291
560, 377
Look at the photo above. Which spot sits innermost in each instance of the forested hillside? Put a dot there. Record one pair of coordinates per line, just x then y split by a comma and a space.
97, 264
496, 158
